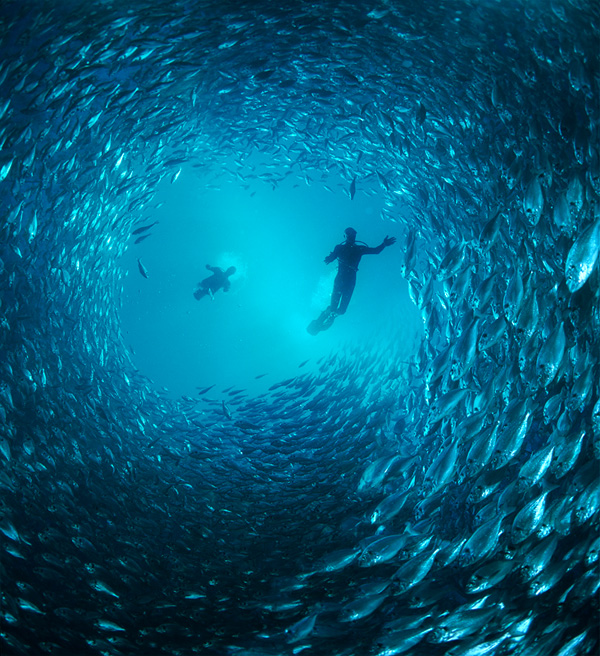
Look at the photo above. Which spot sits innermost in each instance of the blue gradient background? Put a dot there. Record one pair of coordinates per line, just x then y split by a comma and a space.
277, 238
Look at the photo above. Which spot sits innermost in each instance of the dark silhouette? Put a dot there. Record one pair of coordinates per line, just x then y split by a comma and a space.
348, 255
218, 280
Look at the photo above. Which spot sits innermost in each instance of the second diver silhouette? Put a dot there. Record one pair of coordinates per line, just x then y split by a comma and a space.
218, 280
348, 255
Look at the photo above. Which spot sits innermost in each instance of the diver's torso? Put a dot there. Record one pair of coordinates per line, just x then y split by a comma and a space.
349, 256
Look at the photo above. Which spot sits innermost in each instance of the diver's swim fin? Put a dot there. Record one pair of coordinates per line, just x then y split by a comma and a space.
326, 318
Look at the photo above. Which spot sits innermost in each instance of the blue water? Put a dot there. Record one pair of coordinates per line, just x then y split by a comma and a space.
277, 238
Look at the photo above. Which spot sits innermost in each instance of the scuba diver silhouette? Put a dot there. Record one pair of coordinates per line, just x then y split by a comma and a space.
348, 255
218, 280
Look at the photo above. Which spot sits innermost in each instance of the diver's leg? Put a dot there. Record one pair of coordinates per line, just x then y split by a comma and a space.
347, 292
336, 294
200, 293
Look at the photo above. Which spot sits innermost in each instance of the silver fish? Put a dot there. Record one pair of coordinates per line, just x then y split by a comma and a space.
528, 518
582, 257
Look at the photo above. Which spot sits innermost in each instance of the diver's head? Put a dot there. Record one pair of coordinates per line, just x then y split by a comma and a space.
350, 234
230, 271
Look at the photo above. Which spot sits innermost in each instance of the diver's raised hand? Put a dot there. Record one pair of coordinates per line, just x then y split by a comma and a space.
388, 241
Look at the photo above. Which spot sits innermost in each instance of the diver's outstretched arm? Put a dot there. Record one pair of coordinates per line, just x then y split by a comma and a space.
333, 255
388, 241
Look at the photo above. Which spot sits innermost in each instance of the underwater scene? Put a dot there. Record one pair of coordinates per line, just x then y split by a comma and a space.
300, 327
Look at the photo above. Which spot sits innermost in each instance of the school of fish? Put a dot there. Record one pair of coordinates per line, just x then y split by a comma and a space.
444, 504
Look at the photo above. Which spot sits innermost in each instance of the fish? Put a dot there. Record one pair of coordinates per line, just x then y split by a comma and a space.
566, 454
455, 626
528, 518
375, 473
488, 575
389, 507
550, 355
381, 550
142, 269
301, 629
401, 641
361, 607
561, 214
246, 425
337, 560
451, 262
492, 333
536, 560
5, 168
538, 464
528, 317
582, 257
8, 529
481, 449
465, 351
513, 298
443, 467
482, 542
533, 201
447, 403
144, 228
226, 411
490, 231
414, 571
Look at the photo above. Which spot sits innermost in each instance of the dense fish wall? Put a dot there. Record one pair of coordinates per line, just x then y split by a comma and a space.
448, 506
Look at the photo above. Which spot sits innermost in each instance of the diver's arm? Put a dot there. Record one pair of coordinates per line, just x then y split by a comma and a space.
388, 241
333, 255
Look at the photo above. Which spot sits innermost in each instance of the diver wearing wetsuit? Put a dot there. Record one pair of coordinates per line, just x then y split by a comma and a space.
218, 280
348, 256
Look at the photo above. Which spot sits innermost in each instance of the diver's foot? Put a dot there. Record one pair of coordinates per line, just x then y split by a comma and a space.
323, 322
328, 319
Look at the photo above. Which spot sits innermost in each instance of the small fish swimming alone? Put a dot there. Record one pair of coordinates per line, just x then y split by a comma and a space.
138, 231
142, 269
